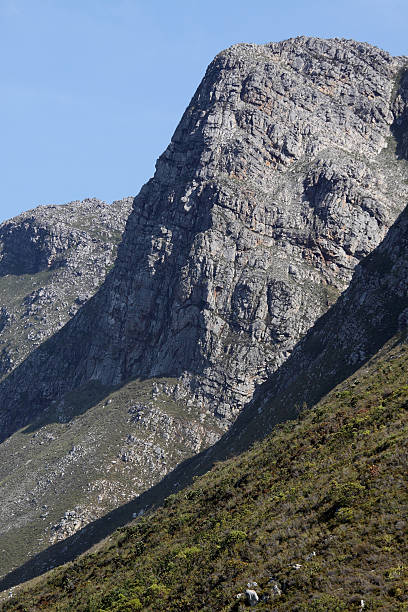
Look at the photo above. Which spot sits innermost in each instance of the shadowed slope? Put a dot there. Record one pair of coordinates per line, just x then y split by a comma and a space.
315, 515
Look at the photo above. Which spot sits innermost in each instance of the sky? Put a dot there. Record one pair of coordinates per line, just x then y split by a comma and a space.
92, 90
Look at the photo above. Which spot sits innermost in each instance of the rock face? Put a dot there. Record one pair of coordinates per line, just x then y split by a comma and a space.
274, 186
52, 260
373, 310
284, 172
369, 317
280, 177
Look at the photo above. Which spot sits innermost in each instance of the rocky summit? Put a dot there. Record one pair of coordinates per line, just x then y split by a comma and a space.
280, 177
286, 170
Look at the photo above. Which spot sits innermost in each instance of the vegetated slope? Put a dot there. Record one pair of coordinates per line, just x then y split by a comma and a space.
327, 492
284, 172
331, 482
52, 260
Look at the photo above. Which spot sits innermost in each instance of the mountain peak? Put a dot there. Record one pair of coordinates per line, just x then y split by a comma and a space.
285, 172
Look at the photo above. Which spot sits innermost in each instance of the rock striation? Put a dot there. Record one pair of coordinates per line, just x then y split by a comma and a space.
52, 260
372, 312
276, 183
368, 321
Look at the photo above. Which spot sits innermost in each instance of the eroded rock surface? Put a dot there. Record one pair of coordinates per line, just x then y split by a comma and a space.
52, 260
280, 177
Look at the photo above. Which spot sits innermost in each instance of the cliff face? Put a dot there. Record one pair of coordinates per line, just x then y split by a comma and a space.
285, 172
280, 177
52, 260
371, 314
373, 310
276, 183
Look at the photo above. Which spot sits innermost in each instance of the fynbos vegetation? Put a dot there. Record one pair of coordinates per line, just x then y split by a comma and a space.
315, 515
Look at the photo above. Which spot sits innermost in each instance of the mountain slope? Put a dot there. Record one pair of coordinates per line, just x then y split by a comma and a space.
365, 412
92, 452
284, 172
327, 492
52, 260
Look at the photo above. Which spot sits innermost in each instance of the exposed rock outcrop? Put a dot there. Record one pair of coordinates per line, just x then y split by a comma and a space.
280, 177
52, 260
276, 183
372, 311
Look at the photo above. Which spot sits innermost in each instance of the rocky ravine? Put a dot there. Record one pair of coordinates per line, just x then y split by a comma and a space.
52, 260
283, 173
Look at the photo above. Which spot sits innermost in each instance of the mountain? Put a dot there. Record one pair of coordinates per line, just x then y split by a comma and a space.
52, 260
286, 170
312, 518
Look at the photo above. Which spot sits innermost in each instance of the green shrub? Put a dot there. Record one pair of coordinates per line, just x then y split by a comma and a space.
130, 606
345, 515
324, 603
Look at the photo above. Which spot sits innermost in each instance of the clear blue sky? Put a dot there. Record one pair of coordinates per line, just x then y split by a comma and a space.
91, 90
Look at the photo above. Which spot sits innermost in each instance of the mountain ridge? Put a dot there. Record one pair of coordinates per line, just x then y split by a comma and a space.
52, 259
127, 323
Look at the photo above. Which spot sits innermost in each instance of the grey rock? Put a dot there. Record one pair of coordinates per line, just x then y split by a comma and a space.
283, 158
52, 260
252, 597
310, 556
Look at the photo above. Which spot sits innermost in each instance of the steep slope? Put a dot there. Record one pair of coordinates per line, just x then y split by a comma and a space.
314, 518
284, 172
52, 260
277, 181
359, 428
